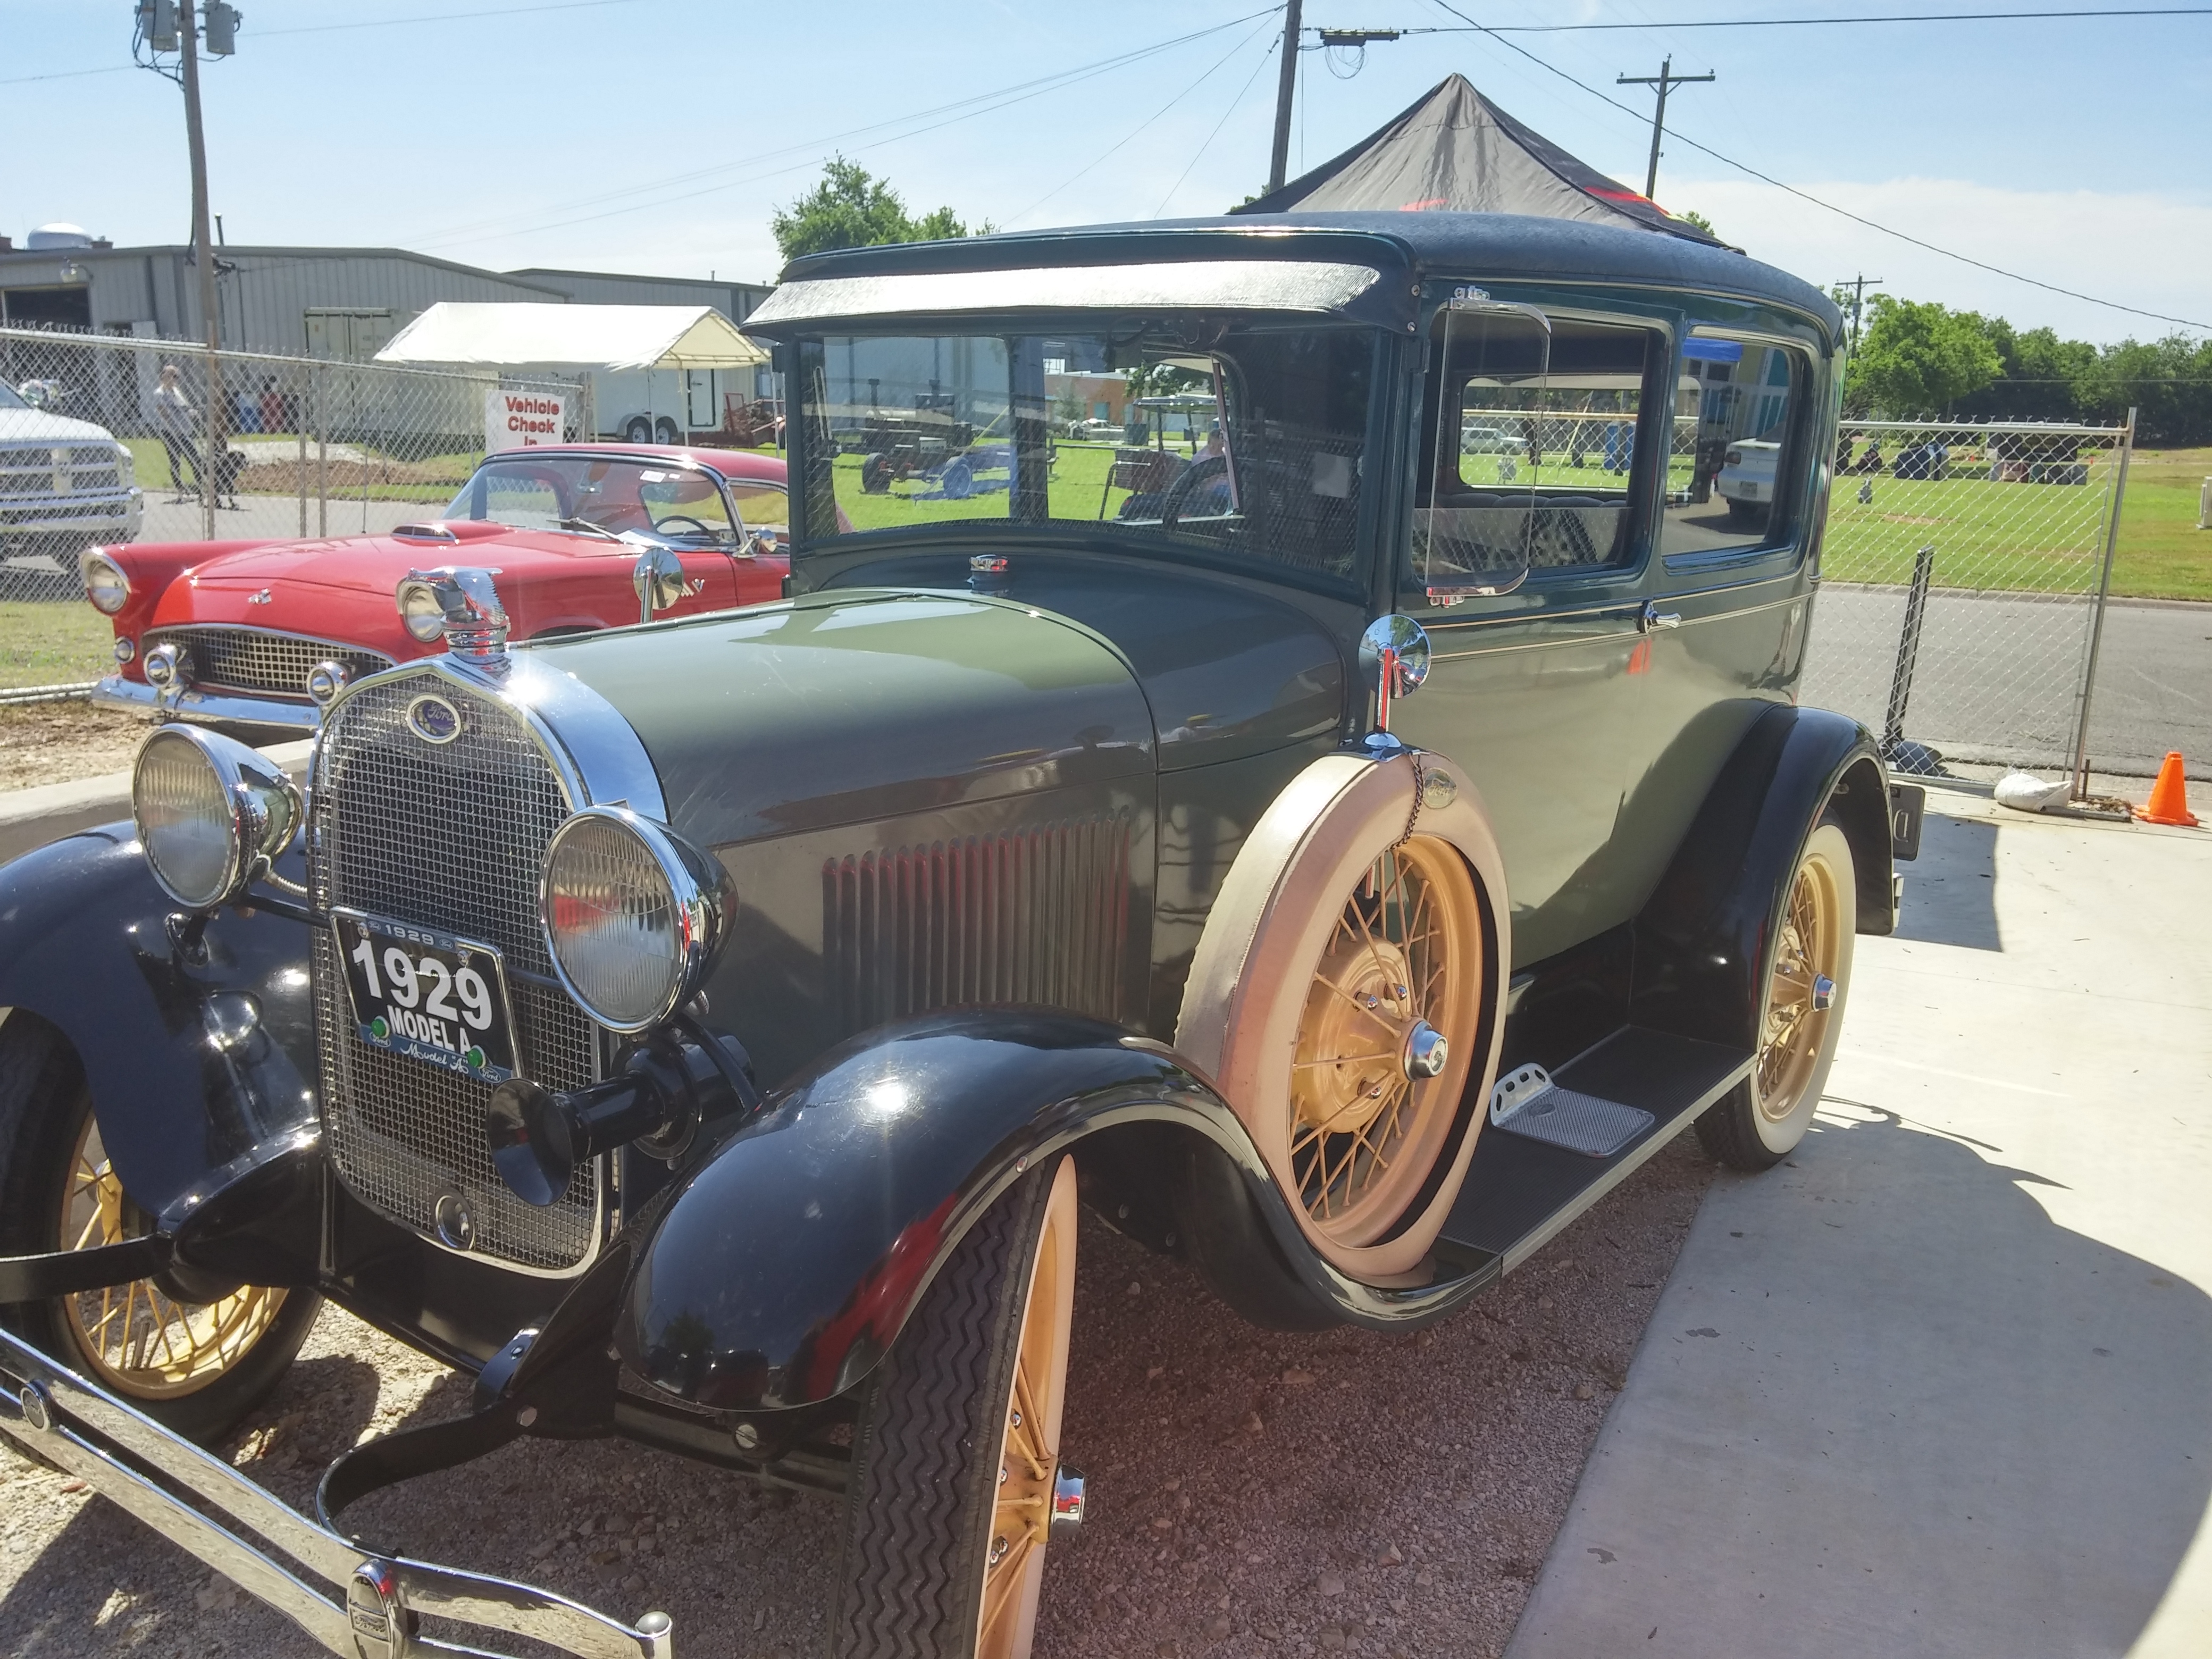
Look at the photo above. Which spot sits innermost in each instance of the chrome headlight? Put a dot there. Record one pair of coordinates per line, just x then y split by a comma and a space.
127, 465
211, 813
633, 915
105, 584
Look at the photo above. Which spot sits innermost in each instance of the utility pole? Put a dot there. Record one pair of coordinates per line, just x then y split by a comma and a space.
1284, 89
1858, 286
203, 255
1665, 80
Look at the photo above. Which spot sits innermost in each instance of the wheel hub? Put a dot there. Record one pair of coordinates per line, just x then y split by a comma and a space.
1359, 1027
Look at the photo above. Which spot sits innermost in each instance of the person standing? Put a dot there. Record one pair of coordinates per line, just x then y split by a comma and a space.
173, 420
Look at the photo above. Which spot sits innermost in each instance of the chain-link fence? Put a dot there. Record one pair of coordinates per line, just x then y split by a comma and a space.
119, 438
1966, 566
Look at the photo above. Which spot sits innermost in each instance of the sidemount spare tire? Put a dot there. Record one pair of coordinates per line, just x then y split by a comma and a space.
1365, 919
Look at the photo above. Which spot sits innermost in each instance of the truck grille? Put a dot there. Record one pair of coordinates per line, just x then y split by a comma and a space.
448, 836
256, 660
47, 471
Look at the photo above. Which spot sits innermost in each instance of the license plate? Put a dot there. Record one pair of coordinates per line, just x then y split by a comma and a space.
428, 995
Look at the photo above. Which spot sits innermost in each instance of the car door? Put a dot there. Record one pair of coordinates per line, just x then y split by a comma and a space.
1528, 562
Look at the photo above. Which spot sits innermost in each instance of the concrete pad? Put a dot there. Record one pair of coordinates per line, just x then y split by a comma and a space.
29, 818
1939, 1384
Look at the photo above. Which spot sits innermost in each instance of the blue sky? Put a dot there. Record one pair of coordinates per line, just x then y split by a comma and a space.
660, 135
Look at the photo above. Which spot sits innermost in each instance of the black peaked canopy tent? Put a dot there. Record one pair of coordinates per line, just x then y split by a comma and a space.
1454, 151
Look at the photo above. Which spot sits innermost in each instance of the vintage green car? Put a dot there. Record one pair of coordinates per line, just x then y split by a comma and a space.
1335, 851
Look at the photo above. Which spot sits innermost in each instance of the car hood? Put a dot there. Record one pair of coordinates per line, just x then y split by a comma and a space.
37, 425
378, 563
855, 706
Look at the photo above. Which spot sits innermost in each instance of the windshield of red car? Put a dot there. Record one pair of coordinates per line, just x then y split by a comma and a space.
616, 496
1239, 440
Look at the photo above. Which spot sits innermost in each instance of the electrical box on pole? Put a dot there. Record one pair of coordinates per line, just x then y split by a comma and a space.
218, 29
157, 24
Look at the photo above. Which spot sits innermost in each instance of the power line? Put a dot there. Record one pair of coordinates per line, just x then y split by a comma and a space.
1807, 196
1197, 155
367, 23
1767, 22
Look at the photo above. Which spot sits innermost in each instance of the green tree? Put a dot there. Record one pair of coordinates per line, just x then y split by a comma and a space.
2039, 376
1918, 358
849, 207
1692, 216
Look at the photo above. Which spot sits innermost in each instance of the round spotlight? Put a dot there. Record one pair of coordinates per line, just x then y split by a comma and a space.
211, 813
105, 584
325, 680
165, 667
633, 915
125, 648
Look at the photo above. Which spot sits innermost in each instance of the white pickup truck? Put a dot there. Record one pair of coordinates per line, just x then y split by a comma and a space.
64, 485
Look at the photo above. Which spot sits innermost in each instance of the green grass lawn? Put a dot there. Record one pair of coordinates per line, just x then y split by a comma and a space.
2025, 537
53, 644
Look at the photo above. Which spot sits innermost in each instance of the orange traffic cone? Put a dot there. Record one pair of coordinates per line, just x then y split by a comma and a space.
2169, 796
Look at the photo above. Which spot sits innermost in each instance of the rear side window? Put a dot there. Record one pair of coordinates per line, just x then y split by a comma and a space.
1531, 436
1729, 476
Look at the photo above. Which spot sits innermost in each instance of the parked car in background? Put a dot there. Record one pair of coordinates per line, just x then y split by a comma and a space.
1747, 480
1093, 429
63, 482
259, 631
1354, 864
1489, 441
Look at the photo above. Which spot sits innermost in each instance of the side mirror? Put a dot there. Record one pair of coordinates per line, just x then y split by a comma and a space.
658, 577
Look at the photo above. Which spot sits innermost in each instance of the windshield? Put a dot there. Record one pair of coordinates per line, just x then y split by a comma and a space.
614, 496
1243, 440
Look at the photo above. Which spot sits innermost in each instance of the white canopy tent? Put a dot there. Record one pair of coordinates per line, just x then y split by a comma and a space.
622, 354
610, 337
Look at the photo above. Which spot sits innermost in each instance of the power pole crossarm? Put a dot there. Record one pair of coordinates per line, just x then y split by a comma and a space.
1285, 89
1666, 80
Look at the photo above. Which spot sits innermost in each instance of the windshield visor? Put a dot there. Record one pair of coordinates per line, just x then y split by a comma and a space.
1243, 441
604, 496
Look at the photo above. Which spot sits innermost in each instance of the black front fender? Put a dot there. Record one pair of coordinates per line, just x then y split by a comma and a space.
193, 1064
779, 1271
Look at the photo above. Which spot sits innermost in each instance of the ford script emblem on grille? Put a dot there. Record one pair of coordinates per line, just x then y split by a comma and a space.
433, 720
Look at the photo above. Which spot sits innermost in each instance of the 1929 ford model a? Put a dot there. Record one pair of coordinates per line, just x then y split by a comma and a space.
1338, 860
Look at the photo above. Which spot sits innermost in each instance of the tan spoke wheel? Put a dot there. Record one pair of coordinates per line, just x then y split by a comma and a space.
1806, 952
1369, 1105
1029, 1454
136, 1339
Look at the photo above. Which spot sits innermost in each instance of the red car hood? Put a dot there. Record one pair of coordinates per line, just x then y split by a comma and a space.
377, 562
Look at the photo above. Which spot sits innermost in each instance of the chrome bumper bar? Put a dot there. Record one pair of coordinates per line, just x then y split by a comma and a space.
374, 1606
116, 692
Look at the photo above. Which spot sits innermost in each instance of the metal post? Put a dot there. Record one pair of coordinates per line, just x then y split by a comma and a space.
204, 255
2097, 617
322, 385
300, 419
1908, 653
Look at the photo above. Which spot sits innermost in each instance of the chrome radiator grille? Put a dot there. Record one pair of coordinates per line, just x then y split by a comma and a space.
254, 660
447, 835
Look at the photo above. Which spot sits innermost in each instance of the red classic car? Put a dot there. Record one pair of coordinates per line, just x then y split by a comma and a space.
583, 536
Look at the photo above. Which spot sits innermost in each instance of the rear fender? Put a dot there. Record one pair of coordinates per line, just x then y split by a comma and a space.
193, 1066
778, 1273
1700, 940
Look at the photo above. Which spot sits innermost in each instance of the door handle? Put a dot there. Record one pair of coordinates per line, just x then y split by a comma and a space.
1653, 619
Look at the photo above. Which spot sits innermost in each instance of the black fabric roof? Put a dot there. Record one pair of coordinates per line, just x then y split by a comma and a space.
1454, 151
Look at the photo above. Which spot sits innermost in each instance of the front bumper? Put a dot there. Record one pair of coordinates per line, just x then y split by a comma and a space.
109, 518
366, 1607
188, 703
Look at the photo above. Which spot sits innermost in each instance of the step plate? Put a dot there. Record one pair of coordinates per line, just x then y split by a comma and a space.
1581, 1123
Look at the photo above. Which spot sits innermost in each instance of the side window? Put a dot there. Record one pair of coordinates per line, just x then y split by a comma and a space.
1531, 429
1737, 406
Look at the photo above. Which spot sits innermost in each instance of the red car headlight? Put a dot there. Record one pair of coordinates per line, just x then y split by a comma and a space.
105, 584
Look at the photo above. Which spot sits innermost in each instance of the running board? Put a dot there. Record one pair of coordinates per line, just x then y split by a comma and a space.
1520, 1190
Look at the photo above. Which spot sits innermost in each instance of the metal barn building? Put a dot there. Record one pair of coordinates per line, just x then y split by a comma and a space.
340, 303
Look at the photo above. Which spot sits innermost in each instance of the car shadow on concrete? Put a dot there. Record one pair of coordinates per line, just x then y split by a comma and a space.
1889, 1406
1950, 890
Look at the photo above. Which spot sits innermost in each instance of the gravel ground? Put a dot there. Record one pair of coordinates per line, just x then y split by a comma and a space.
1252, 1492
54, 742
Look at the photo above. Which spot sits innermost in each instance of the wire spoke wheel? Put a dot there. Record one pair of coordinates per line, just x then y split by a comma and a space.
137, 1339
1797, 1018
1372, 1096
